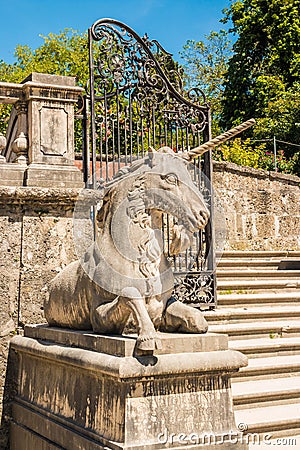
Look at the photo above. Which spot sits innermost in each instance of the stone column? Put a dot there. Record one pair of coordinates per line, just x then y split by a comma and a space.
51, 100
40, 133
83, 390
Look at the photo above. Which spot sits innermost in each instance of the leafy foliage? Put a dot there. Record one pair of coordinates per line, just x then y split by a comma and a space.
263, 74
282, 119
205, 67
240, 152
267, 49
65, 53
247, 153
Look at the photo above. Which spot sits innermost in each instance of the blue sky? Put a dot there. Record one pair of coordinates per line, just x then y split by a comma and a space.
171, 22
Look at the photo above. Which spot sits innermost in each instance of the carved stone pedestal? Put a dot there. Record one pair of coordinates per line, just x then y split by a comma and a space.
79, 390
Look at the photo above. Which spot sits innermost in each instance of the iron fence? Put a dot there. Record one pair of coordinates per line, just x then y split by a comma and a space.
135, 99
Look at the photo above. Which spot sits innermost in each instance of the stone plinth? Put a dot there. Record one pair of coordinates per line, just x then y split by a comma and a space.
12, 174
79, 390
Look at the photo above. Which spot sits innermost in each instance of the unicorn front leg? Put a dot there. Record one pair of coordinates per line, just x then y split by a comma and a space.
147, 336
111, 317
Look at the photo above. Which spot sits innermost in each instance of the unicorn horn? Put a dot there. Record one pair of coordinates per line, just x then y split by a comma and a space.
209, 145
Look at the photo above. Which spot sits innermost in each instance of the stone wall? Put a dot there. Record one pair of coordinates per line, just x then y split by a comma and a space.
36, 242
261, 209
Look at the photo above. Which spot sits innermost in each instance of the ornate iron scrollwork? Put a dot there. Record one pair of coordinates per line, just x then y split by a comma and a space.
137, 66
196, 289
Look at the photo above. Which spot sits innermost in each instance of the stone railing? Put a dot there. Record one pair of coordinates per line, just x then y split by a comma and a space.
38, 149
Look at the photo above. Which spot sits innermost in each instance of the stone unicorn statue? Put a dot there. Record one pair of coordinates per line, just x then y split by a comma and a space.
125, 271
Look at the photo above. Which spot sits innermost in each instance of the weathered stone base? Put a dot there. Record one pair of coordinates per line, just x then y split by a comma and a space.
41, 175
63, 176
12, 174
87, 391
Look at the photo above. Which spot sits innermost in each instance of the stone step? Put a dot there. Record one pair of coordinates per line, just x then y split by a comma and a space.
248, 313
257, 285
248, 263
275, 420
258, 306
265, 299
258, 254
262, 392
282, 328
231, 264
268, 368
264, 347
258, 274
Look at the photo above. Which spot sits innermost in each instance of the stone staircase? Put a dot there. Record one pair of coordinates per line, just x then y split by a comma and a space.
259, 309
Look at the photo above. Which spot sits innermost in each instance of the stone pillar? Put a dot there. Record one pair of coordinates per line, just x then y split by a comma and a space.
51, 100
83, 390
40, 134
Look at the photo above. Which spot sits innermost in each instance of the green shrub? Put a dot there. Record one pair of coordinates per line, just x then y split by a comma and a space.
240, 152
246, 153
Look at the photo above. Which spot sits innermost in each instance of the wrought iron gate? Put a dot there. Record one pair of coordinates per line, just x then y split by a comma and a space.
135, 100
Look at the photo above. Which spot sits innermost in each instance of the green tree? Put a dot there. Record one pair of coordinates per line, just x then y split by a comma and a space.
205, 65
264, 71
266, 58
65, 53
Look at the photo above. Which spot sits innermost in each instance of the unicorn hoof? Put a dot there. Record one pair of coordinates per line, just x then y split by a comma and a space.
158, 344
149, 342
146, 345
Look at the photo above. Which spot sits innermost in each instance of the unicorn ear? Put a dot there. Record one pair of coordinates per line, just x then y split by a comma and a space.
151, 154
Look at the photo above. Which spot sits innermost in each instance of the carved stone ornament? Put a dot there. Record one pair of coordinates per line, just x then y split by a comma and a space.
20, 148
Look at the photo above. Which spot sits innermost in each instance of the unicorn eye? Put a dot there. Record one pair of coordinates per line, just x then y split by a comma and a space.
171, 178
